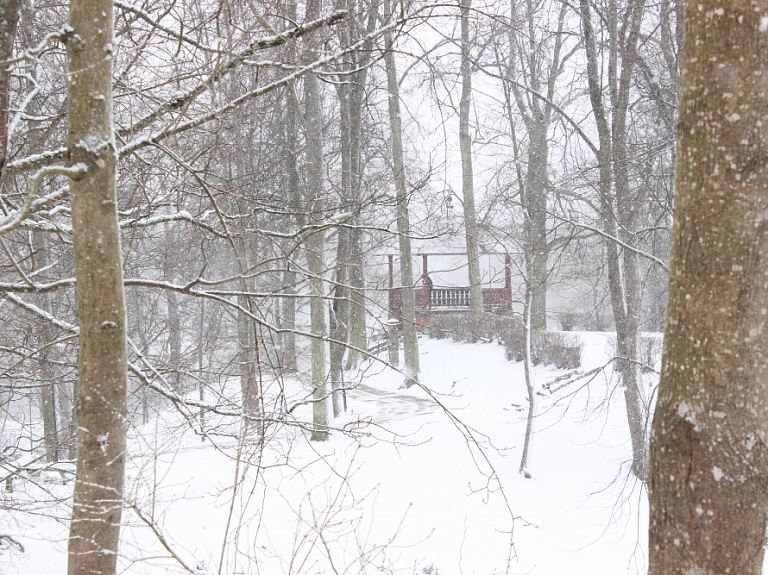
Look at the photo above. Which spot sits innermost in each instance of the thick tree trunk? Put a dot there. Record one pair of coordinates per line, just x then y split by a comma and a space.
98, 493
467, 177
408, 311
709, 460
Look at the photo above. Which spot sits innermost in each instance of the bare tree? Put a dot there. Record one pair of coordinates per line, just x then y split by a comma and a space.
539, 62
619, 209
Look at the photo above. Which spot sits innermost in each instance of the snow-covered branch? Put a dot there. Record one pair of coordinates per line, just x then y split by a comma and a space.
182, 100
13, 220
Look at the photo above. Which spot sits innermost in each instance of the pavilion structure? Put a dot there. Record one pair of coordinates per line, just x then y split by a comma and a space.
436, 299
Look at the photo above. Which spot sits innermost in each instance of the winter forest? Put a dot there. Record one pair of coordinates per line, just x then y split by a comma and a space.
377, 286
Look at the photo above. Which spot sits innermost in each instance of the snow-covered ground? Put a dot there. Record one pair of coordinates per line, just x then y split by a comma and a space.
426, 482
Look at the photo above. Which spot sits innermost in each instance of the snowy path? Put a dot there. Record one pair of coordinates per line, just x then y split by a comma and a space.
412, 494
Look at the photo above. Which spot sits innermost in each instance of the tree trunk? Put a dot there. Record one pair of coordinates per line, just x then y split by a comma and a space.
525, 459
542, 72
9, 20
408, 311
339, 316
174, 319
612, 158
44, 335
353, 102
98, 493
246, 355
313, 128
467, 178
297, 205
537, 251
709, 460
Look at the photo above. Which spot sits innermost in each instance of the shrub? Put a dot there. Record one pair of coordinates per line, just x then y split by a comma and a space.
649, 352
547, 347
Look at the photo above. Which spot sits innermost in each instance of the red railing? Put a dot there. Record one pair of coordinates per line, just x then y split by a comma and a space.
445, 298
431, 298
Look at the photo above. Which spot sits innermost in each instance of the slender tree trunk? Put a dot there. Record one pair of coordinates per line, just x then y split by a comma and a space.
341, 307
9, 20
628, 201
48, 376
339, 315
201, 339
623, 288
246, 355
408, 311
174, 319
537, 117
98, 493
313, 129
467, 178
298, 206
288, 337
527, 364
355, 86
537, 252
709, 460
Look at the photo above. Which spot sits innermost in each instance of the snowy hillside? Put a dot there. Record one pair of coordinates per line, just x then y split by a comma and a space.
426, 481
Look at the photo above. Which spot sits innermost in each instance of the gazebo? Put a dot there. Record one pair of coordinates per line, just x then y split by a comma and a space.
435, 299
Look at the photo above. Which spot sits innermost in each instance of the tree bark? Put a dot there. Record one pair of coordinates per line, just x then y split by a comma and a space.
297, 204
98, 492
313, 128
408, 311
174, 319
467, 176
9, 20
537, 117
613, 187
45, 335
709, 460
353, 100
